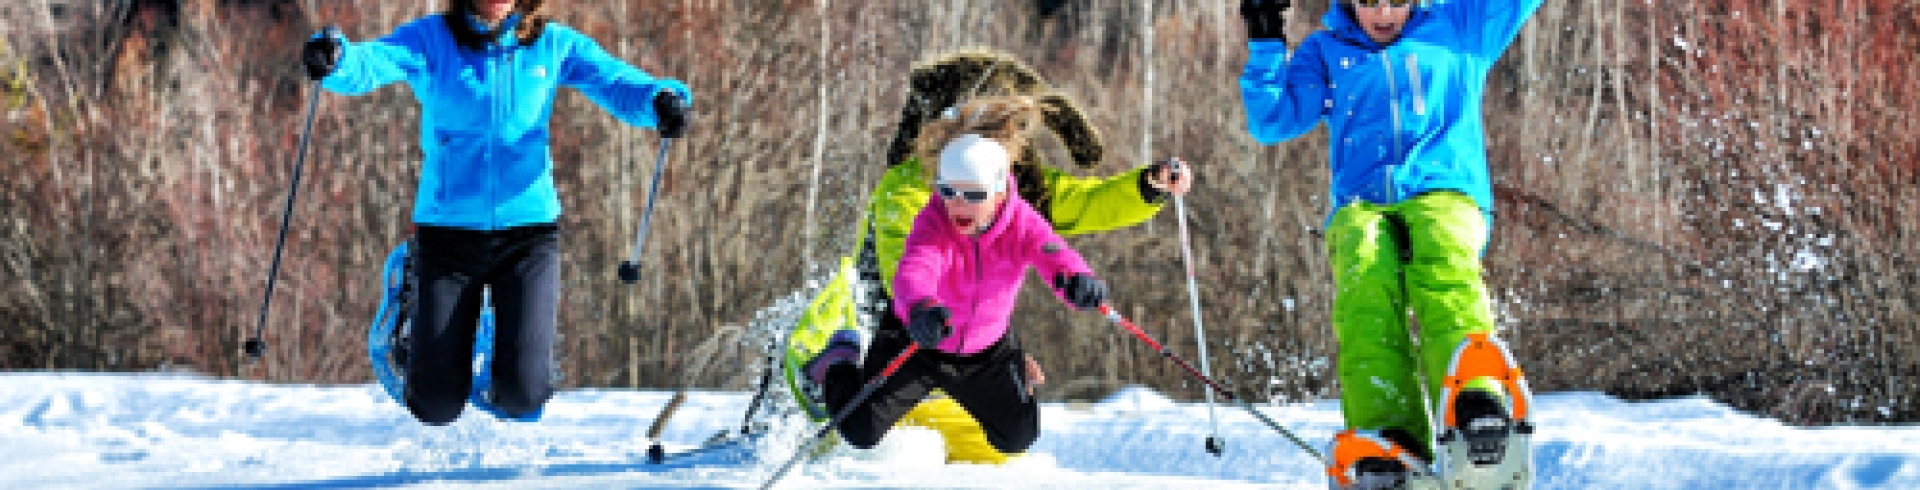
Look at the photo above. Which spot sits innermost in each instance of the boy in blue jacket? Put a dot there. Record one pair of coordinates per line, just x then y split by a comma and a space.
1399, 86
485, 73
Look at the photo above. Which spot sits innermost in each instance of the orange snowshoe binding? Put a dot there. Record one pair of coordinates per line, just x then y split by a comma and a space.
1485, 442
1367, 460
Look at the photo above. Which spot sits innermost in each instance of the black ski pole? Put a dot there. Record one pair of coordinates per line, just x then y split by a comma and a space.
630, 270
1114, 316
257, 346
858, 398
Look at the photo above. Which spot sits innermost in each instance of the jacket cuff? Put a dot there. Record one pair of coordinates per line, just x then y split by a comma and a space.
1147, 192
1267, 47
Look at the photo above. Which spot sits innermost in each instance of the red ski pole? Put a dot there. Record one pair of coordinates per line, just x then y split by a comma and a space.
1114, 316
858, 398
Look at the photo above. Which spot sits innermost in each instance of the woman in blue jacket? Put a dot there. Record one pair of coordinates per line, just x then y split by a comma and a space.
485, 73
1399, 86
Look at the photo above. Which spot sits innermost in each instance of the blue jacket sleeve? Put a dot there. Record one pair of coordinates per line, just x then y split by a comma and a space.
1496, 21
615, 85
1283, 97
369, 65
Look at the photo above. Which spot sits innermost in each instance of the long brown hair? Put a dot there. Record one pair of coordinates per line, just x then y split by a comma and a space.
1007, 119
533, 21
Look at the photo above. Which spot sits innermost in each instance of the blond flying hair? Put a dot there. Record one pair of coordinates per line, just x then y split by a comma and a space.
1006, 119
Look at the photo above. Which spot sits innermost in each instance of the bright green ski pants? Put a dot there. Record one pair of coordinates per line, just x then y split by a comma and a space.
1438, 280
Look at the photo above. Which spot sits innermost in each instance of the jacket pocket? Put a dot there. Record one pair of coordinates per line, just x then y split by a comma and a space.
459, 167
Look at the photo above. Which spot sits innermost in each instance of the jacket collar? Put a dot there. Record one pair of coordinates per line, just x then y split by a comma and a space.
481, 28
1002, 218
474, 34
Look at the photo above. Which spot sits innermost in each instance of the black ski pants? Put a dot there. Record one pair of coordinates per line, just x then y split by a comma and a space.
991, 385
454, 266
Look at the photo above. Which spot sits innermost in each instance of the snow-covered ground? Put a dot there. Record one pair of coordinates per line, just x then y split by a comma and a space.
151, 431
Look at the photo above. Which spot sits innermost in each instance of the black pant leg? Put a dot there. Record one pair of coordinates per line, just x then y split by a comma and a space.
995, 394
445, 316
872, 419
526, 295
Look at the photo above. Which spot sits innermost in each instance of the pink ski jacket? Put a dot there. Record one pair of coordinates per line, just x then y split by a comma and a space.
977, 278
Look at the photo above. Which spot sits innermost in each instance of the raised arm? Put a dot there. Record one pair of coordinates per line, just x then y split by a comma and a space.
366, 66
1497, 22
616, 86
1284, 97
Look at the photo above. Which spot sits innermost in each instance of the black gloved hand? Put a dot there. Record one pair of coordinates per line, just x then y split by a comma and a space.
1083, 291
929, 326
672, 111
321, 55
1266, 19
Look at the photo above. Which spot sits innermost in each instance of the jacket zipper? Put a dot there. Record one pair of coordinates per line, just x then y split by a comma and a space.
978, 276
1393, 101
1419, 95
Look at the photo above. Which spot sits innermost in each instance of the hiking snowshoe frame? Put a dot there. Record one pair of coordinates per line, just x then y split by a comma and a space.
1484, 443
388, 338
1491, 446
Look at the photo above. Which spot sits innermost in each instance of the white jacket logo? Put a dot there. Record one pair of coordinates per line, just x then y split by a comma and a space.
539, 72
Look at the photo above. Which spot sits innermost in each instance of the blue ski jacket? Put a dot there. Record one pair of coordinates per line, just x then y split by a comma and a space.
1404, 118
484, 113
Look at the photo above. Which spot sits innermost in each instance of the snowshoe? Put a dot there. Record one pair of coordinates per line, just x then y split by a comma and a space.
1484, 444
388, 338
482, 396
1365, 460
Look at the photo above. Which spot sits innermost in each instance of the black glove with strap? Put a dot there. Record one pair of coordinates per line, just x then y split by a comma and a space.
1266, 19
929, 324
672, 111
321, 55
1083, 291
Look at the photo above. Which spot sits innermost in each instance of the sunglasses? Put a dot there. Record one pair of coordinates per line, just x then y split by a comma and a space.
975, 197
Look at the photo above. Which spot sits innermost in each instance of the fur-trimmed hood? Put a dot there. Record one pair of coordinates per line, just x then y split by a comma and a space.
951, 79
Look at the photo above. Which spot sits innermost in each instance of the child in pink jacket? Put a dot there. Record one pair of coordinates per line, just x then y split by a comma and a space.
954, 292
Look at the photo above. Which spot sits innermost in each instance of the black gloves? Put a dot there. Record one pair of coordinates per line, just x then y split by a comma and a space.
1266, 19
672, 111
322, 53
929, 326
1083, 291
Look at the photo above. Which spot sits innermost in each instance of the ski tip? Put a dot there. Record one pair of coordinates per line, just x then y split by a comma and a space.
1214, 446
656, 454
